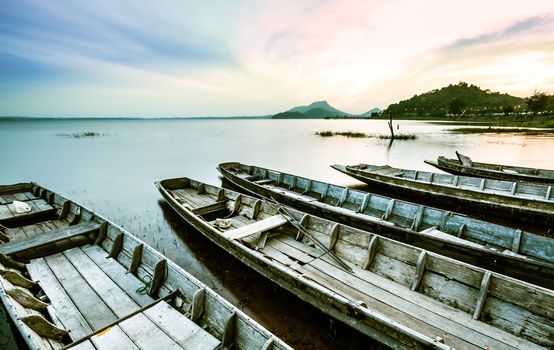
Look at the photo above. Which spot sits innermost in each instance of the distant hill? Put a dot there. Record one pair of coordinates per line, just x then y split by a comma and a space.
370, 112
318, 110
459, 99
322, 105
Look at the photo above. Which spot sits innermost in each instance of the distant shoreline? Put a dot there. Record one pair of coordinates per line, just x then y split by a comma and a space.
131, 118
540, 121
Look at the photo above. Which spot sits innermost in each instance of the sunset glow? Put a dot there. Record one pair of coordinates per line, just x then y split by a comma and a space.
187, 58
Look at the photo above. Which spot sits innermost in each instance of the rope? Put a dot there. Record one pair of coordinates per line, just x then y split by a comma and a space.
144, 289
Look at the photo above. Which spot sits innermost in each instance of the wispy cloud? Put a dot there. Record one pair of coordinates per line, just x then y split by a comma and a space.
238, 57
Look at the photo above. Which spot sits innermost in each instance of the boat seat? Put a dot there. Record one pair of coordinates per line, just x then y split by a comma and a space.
37, 241
263, 181
39, 209
257, 227
8, 198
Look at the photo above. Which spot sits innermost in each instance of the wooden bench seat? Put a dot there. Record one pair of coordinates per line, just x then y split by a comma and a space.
7, 198
257, 227
23, 232
37, 241
39, 209
263, 182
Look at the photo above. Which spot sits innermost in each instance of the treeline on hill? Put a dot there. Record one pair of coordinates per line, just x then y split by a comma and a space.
463, 99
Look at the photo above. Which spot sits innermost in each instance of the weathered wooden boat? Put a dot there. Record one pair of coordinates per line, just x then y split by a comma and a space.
515, 202
71, 279
403, 296
465, 166
506, 250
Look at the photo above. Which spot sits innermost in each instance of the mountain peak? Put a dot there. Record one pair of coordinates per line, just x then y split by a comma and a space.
318, 104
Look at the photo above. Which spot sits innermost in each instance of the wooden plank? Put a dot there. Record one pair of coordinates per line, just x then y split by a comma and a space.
256, 209
39, 207
117, 272
146, 334
448, 319
417, 218
197, 304
482, 295
37, 241
112, 295
390, 206
364, 204
113, 338
65, 310
160, 270
263, 182
257, 227
83, 346
371, 249
210, 208
517, 241
180, 329
420, 269
94, 310
116, 245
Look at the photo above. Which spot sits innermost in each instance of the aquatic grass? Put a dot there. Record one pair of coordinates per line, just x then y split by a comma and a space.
355, 134
491, 130
351, 134
398, 137
327, 133
79, 135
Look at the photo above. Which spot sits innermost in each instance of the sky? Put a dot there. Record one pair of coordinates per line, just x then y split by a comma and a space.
138, 58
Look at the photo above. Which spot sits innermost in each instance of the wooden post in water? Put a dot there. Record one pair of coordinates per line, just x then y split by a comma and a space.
390, 127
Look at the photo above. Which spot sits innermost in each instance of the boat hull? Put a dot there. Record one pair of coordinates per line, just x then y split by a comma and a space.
513, 211
452, 168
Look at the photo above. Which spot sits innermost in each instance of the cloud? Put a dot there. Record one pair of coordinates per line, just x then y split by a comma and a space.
127, 33
236, 57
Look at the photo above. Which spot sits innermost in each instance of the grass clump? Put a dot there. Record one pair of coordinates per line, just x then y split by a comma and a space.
490, 130
353, 134
398, 137
326, 133
80, 135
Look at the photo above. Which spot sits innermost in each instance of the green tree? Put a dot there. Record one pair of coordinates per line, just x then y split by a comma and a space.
508, 109
456, 106
537, 102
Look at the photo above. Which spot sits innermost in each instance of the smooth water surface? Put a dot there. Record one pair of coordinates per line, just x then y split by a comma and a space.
114, 174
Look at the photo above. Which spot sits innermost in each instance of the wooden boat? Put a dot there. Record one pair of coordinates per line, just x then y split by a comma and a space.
400, 295
465, 166
516, 202
506, 250
71, 279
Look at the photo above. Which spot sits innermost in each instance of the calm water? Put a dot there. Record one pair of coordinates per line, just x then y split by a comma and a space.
114, 175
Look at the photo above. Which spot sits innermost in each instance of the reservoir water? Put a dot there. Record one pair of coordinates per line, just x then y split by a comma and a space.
114, 174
